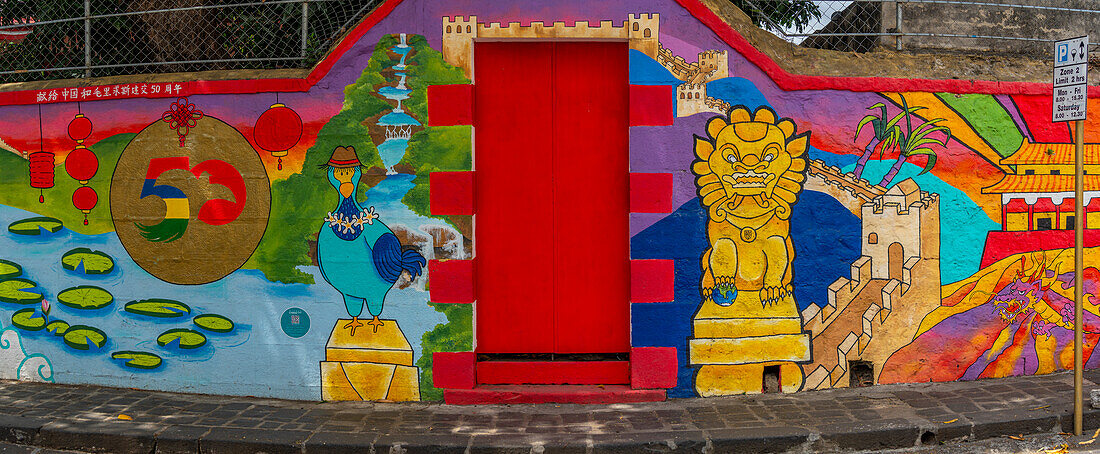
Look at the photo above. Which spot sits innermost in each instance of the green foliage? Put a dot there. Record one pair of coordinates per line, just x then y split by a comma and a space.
16, 190
15, 291
456, 335
299, 203
184, 338
786, 13
426, 67
441, 148
9, 269
433, 148
57, 327
36, 226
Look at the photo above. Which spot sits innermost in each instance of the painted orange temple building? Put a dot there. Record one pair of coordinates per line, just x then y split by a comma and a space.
1037, 199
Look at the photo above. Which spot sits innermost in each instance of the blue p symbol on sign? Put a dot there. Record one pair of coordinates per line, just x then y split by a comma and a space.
1062, 54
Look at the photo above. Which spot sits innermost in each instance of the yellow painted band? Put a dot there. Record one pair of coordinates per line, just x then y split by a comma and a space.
177, 209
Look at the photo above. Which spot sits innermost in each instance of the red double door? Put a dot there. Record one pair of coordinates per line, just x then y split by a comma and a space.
552, 241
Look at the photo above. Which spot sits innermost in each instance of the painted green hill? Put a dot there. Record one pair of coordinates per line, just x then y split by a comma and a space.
299, 202
16, 190
989, 119
445, 148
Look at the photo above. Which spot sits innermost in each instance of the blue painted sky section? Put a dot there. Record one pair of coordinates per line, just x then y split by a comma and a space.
646, 71
826, 237
737, 91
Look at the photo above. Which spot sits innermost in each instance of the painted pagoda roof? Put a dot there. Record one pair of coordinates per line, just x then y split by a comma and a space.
1051, 154
1040, 183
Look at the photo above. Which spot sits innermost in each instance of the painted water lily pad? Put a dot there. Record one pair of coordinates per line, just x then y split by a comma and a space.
57, 327
214, 322
188, 338
95, 262
9, 269
82, 337
35, 226
157, 307
85, 297
138, 360
15, 291
25, 319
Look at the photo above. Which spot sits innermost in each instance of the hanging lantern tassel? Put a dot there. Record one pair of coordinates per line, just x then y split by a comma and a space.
84, 199
278, 130
42, 172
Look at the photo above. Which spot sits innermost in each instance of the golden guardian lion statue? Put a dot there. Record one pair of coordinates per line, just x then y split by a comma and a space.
749, 173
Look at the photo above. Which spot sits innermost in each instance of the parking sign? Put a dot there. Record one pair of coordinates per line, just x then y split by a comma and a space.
1071, 68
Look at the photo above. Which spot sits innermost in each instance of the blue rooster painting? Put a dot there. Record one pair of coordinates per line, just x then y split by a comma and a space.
358, 254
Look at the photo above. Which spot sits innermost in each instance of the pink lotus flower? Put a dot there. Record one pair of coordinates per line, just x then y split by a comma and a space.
46, 308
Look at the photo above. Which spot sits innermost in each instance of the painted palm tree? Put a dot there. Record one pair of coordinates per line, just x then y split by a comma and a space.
914, 142
889, 135
886, 136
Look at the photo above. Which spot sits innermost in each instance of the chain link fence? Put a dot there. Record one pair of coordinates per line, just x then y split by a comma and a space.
57, 39
972, 26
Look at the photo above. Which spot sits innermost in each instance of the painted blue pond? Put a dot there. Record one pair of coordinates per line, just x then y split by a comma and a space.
257, 358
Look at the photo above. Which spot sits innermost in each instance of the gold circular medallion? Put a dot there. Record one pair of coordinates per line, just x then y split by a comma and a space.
194, 213
748, 234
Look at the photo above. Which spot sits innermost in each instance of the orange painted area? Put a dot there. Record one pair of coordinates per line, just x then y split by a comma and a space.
956, 164
960, 130
295, 158
1005, 363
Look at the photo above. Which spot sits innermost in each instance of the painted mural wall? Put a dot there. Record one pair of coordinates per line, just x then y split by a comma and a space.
273, 240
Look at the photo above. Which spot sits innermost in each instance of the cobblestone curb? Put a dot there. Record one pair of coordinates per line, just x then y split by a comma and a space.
87, 418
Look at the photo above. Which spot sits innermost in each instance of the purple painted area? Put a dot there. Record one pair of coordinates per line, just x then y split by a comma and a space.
1014, 112
666, 149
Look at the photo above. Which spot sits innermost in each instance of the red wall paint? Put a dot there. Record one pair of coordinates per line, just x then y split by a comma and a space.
450, 105
451, 193
555, 372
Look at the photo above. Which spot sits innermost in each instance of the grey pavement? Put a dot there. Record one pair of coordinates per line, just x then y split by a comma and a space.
996, 415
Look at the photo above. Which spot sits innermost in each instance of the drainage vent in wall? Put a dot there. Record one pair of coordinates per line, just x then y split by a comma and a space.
861, 374
771, 379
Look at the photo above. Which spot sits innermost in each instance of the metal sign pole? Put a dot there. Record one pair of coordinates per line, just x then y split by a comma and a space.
1078, 273
1070, 103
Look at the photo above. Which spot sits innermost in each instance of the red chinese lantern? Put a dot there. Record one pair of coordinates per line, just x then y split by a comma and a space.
278, 130
84, 199
80, 128
81, 164
42, 172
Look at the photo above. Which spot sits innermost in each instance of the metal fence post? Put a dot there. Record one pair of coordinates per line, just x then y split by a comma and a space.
305, 26
87, 38
897, 23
